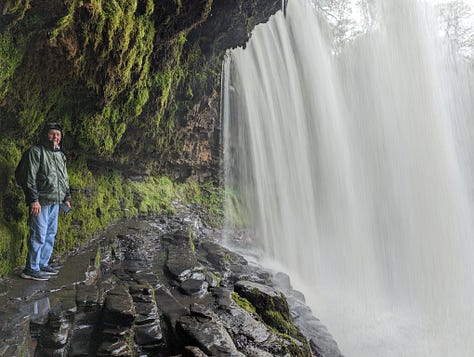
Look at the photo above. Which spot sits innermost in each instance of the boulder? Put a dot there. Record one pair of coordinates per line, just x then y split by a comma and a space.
81, 340
170, 307
192, 351
210, 336
181, 261
264, 298
88, 296
114, 348
272, 307
148, 336
119, 309
194, 287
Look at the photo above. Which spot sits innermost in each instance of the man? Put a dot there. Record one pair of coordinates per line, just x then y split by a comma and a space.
47, 186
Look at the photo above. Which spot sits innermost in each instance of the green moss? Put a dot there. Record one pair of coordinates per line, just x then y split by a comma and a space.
276, 320
102, 71
97, 259
110, 52
243, 303
207, 194
13, 212
207, 9
217, 277
10, 58
17, 8
179, 5
274, 313
153, 195
5, 238
213, 199
191, 240
294, 347
296, 344
13, 246
166, 83
65, 21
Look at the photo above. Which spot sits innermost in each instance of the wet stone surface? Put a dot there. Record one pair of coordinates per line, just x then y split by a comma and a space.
159, 286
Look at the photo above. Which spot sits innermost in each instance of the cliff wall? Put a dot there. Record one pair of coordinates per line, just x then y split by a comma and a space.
134, 82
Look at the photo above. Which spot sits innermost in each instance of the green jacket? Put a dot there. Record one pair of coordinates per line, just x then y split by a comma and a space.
47, 178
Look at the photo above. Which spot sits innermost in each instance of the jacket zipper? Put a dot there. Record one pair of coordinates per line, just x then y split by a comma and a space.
57, 176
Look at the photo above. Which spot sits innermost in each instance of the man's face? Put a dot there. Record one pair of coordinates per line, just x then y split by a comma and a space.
54, 136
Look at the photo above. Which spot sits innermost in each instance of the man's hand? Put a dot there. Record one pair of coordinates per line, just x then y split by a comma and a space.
35, 208
67, 203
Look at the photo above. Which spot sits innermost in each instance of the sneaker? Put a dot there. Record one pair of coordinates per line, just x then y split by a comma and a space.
34, 275
49, 270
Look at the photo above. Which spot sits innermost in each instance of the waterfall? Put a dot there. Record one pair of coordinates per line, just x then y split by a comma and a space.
354, 172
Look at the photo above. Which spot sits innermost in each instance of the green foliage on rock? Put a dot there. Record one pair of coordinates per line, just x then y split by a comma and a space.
273, 309
294, 342
208, 195
243, 303
154, 195
14, 10
275, 319
297, 343
105, 68
10, 58
112, 57
12, 211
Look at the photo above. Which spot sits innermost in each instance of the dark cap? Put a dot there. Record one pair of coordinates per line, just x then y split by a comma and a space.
53, 126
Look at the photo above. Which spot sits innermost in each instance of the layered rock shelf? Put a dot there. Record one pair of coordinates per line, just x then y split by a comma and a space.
161, 286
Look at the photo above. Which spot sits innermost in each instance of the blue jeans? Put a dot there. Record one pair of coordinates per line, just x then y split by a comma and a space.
43, 229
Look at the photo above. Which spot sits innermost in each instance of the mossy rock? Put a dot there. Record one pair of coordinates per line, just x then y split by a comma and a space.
243, 303
264, 298
272, 307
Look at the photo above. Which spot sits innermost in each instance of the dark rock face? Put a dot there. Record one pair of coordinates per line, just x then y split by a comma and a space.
229, 25
160, 291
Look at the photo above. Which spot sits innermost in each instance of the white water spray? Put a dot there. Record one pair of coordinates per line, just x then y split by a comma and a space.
356, 172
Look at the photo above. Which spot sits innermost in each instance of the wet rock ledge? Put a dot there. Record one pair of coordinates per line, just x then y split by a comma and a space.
159, 287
